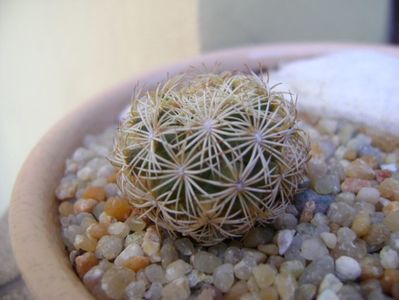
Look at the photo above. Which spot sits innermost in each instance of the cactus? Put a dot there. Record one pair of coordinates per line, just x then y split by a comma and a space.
210, 155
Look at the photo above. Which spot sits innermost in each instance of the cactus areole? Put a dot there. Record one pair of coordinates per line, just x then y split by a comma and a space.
210, 155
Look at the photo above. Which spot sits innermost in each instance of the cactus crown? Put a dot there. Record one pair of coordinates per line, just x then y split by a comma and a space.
209, 155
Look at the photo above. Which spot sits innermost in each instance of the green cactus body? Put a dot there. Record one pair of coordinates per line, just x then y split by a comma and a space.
209, 155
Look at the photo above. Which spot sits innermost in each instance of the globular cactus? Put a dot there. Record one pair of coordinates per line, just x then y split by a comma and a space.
210, 155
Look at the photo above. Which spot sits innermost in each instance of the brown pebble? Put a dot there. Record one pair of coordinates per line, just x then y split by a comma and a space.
119, 208
359, 169
97, 230
390, 277
65, 208
389, 189
395, 290
137, 263
85, 262
84, 205
308, 212
94, 192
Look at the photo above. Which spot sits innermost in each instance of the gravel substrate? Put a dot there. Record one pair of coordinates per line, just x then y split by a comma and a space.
338, 240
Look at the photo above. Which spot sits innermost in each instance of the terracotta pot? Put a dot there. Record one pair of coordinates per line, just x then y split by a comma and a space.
34, 224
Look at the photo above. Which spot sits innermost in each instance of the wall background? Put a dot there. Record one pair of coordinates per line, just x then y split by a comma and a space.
56, 54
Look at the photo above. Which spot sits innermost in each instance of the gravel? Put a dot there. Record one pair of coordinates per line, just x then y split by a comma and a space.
338, 240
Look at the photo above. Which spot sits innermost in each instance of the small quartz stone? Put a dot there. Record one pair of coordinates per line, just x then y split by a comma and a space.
84, 263
152, 243
368, 194
269, 249
135, 290
184, 246
389, 258
330, 282
135, 224
94, 192
286, 285
392, 220
134, 238
137, 263
330, 239
197, 279
389, 189
316, 168
359, 169
353, 185
308, 212
316, 270
341, 213
378, 235
65, 208
176, 290
209, 292
223, 277
257, 236
252, 285
154, 292
237, 290
155, 273
275, 261
284, 240
118, 208
168, 254
109, 247
177, 269
85, 243
371, 267
92, 279
285, 221
257, 255
347, 197
313, 249
232, 255
347, 268
67, 188
115, 280
349, 292
394, 240
205, 262
118, 229
322, 201
361, 223
84, 205
97, 230
328, 184
293, 267
130, 251
218, 249
305, 292
328, 295
243, 269
264, 275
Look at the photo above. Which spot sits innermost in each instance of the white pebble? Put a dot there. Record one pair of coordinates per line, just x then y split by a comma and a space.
284, 240
389, 167
347, 268
85, 173
368, 194
328, 295
389, 258
130, 251
330, 239
330, 282
119, 229
313, 249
